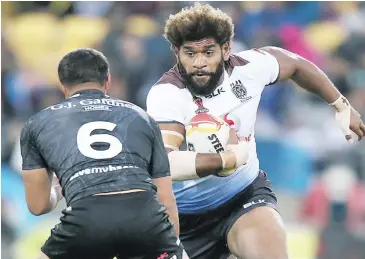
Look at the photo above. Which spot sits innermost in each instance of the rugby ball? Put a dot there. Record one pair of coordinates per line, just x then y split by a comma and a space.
206, 133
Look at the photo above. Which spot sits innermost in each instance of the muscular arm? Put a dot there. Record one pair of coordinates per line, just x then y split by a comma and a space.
304, 73
202, 165
311, 78
42, 191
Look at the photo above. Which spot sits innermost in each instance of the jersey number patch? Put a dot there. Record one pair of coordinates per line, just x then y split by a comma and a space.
85, 140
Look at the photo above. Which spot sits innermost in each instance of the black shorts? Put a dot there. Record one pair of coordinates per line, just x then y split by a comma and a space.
204, 235
132, 225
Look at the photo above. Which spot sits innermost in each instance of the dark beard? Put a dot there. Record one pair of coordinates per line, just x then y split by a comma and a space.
208, 87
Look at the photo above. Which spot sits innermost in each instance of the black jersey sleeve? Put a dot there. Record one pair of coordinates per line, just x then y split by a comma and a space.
31, 156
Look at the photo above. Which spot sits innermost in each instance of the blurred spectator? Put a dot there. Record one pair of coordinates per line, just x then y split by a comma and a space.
337, 185
336, 204
129, 60
95, 8
293, 40
273, 15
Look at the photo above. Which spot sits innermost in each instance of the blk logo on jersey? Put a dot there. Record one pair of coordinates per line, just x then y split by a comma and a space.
240, 91
260, 201
199, 102
215, 93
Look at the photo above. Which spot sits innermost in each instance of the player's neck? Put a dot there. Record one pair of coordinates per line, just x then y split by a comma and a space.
85, 86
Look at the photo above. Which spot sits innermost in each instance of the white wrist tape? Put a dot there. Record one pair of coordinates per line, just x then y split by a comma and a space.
241, 151
224, 163
343, 114
171, 147
341, 104
174, 133
182, 165
53, 198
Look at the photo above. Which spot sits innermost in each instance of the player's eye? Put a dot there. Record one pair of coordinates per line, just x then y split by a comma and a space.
209, 52
190, 53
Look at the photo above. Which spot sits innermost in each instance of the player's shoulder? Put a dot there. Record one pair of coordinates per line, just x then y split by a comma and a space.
136, 111
129, 107
43, 115
33, 124
254, 55
258, 61
172, 78
254, 58
170, 87
142, 120
170, 84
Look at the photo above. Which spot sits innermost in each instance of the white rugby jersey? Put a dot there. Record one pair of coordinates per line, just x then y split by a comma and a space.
236, 99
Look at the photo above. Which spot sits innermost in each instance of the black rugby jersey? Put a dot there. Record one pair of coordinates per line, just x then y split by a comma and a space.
95, 144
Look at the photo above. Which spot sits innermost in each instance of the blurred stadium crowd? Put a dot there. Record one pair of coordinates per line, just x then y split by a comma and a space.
319, 177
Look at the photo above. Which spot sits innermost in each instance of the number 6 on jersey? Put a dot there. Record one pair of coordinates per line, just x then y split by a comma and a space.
85, 140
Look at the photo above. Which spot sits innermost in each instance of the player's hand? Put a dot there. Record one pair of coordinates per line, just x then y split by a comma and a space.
356, 125
234, 156
57, 187
240, 152
233, 138
348, 119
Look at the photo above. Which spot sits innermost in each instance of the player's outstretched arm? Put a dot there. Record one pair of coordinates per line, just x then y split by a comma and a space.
311, 78
186, 165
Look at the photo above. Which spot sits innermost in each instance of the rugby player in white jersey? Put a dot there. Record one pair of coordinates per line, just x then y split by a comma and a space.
237, 213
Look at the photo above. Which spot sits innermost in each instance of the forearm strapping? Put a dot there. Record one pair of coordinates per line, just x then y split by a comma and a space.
187, 165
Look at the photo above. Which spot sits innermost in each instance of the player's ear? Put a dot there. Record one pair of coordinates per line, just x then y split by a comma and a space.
176, 51
108, 82
226, 50
63, 89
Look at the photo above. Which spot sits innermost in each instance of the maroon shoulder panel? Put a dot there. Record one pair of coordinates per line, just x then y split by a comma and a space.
172, 77
234, 61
